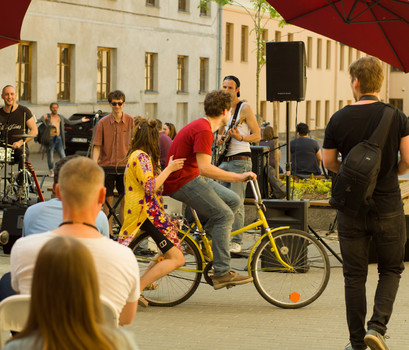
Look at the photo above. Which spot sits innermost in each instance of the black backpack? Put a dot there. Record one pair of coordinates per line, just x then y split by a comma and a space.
353, 185
45, 132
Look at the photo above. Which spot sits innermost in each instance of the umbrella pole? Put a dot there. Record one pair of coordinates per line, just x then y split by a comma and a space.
288, 163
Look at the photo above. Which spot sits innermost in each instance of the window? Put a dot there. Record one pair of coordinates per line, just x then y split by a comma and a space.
394, 70
396, 102
63, 72
308, 113
152, 2
309, 51
277, 36
317, 114
181, 112
23, 71
328, 58
326, 112
350, 52
358, 54
290, 37
340, 104
341, 56
150, 68
229, 42
182, 74
183, 5
205, 9
264, 37
151, 110
244, 43
204, 75
104, 73
263, 111
319, 53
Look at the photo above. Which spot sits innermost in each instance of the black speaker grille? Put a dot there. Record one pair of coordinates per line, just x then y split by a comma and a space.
286, 71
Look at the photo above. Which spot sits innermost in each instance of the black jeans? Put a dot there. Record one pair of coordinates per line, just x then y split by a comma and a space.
388, 231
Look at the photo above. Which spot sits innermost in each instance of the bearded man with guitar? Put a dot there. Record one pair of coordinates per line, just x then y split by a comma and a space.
235, 156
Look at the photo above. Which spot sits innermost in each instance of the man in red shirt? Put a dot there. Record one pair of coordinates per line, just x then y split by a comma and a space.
194, 184
111, 143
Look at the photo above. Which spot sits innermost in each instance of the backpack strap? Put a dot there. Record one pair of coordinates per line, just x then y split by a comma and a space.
381, 132
46, 119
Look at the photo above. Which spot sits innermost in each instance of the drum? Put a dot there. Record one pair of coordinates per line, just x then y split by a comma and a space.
10, 155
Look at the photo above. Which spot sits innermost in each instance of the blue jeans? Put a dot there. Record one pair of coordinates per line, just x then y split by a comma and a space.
219, 204
388, 231
57, 145
238, 167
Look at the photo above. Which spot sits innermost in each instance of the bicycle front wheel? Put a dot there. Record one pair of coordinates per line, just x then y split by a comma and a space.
177, 286
285, 289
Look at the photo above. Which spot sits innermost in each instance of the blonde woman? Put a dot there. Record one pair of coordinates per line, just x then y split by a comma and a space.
65, 308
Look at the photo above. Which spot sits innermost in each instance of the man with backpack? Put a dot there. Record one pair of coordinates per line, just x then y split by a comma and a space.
51, 134
380, 218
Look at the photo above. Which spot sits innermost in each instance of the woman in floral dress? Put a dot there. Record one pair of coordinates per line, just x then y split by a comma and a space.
143, 200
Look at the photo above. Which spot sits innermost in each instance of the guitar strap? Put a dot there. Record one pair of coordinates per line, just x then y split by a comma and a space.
236, 113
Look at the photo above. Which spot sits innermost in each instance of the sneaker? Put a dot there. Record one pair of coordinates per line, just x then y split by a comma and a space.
235, 247
350, 347
375, 340
230, 279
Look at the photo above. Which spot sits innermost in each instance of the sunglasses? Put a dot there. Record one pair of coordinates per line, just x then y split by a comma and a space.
117, 104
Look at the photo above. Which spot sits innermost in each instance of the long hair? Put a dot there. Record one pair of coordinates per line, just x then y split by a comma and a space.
146, 138
268, 133
172, 130
65, 308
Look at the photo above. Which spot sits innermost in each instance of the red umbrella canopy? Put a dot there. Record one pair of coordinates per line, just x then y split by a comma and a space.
13, 13
377, 27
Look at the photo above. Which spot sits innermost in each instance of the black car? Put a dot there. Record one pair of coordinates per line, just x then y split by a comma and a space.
78, 137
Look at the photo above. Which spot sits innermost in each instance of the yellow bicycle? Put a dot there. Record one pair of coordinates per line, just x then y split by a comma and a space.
290, 267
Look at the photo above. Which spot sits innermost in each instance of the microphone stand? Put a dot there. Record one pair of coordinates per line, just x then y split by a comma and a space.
6, 141
94, 123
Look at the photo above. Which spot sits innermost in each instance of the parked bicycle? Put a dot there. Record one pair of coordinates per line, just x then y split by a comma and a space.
290, 267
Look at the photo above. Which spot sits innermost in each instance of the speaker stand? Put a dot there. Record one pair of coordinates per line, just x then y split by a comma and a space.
288, 161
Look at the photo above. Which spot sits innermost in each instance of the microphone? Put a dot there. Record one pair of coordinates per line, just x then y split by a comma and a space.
99, 112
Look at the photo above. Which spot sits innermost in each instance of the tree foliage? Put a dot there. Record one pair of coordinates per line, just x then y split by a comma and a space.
263, 12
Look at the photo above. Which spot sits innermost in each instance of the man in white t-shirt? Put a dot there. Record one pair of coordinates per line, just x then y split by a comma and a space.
82, 192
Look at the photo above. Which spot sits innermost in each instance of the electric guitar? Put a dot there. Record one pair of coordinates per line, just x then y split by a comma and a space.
221, 150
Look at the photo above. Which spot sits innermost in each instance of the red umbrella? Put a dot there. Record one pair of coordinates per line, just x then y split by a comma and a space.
13, 13
377, 27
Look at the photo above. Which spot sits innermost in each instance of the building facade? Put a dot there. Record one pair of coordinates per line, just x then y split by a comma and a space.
161, 53
328, 86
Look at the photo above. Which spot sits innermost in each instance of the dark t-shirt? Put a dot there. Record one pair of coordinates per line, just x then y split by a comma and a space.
270, 144
196, 137
356, 123
164, 144
304, 156
15, 123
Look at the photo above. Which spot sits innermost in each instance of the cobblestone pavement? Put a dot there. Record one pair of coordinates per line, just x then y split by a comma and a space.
239, 318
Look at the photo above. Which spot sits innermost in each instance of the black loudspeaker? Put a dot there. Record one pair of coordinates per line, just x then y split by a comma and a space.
286, 71
259, 158
13, 223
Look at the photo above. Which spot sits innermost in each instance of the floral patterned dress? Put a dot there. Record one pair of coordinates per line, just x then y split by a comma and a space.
143, 202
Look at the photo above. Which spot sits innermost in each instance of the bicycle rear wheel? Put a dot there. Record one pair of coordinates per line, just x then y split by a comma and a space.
177, 286
290, 290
